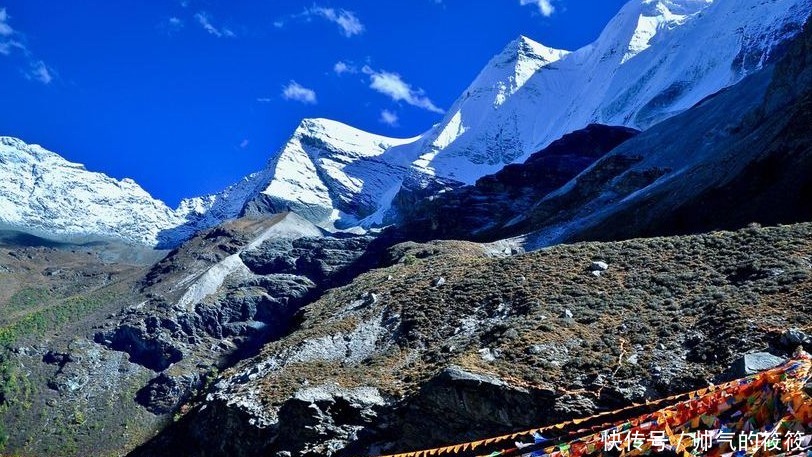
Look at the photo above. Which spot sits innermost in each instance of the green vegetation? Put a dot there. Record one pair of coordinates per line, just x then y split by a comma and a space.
16, 391
25, 300
55, 316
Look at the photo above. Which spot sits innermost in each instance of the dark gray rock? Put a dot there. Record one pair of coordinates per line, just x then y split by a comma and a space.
315, 258
455, 374
57, 358
164, 393
149, 349
794, 337
70, 378
326, 419
472, 405
753, 363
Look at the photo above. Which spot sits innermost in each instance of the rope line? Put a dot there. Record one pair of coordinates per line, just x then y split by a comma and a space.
798, 366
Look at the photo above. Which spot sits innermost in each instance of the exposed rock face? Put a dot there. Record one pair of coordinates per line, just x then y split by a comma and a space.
793, 338
163, 393
469, 405
327, 419
486, 210
224, 294
390, 363
741, 156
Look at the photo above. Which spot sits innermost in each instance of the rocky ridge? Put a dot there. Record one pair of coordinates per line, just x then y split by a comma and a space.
503, 344
123, 359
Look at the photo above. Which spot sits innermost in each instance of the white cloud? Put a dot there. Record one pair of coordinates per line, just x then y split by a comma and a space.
342, 67
11, 40
297, 92
264, 100
546, 7
41, 72
204, 21
244, 143
172, 25
5, 29
392, 85
7, 46
347, 21
389, 118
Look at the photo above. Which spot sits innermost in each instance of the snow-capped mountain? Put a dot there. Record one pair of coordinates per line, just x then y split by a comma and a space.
655, 59
48, 196
330, 172
740, 157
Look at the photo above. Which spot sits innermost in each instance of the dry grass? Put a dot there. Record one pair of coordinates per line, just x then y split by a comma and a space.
684, 307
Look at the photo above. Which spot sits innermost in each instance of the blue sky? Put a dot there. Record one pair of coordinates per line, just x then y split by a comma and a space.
188, 96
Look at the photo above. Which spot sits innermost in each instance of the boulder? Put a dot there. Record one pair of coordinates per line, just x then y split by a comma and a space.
599, 266
792, 338
753, 363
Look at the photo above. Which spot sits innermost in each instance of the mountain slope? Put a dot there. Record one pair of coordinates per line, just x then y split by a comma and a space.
328, 172
744, 155
480, 212
503, 344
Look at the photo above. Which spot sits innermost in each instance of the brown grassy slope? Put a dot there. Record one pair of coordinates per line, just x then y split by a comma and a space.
675, 311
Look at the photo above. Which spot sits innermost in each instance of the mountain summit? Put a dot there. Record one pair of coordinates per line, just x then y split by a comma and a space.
651, 62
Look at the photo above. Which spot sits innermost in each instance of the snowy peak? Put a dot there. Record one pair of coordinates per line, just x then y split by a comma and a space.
14, 151
329, 172
525, 48
679, 7
338, 137
656, 15
43, 194
510, 69
505, 75
652, 61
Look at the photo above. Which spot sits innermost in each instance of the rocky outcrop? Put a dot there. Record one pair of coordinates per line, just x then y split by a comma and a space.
495, 205
224, 294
